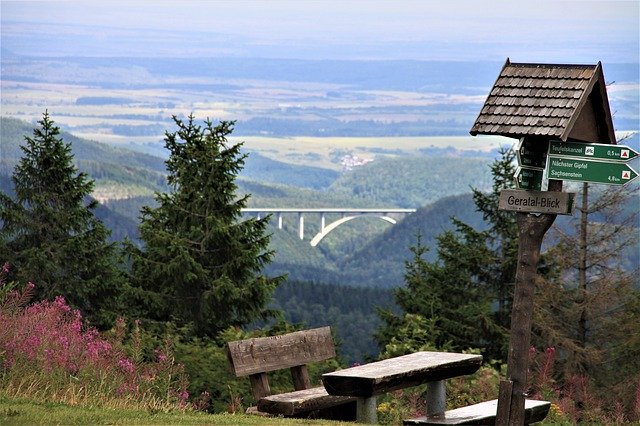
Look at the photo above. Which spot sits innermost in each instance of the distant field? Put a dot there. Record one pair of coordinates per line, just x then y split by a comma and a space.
325, 152
366, 109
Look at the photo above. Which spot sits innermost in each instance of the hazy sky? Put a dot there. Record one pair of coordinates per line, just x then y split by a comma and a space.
526, 31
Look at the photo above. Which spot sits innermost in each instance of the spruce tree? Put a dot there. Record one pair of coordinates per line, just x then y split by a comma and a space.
49, 233
465, 295
201, 262
501, 237
447, 298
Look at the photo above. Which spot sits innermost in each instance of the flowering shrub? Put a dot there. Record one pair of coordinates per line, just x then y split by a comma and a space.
575, 399
46, 354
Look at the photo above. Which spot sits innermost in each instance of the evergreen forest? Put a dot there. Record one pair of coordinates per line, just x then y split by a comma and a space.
151, 262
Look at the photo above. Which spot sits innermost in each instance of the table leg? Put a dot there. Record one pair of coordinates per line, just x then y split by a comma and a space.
436, 398
367, 411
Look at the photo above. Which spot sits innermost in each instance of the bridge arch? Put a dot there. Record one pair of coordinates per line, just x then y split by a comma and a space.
333, 225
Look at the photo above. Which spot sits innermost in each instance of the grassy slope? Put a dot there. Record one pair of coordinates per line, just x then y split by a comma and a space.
22, 412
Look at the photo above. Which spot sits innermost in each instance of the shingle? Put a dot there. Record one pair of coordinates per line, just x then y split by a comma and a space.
533, 99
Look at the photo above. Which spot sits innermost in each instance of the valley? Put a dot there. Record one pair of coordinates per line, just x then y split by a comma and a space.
318, 133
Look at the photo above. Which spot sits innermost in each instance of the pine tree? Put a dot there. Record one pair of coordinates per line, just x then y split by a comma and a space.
475, 270
446, 296
201, 261
50, 235
501, 237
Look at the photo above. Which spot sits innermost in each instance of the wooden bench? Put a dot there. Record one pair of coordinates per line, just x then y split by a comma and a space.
483, 413
258, 356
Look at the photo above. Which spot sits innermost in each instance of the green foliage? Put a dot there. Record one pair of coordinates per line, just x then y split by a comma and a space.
452, 297
200, 265
447, 307
350, 311
501, 237
50, 234
412, 182
588, 306
411, 333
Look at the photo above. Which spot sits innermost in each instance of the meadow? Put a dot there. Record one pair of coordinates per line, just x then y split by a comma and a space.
23, 411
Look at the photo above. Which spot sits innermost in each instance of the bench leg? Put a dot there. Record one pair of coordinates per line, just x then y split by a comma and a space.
366, 411
436, 398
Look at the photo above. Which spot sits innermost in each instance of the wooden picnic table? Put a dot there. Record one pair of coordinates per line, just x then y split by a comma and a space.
369, 380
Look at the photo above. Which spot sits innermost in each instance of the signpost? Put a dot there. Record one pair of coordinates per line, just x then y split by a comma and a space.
536, 201
529, 178
592, 150
531, 154
556, 161
514, 110
606, 172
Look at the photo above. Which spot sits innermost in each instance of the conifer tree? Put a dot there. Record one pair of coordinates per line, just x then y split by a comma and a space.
475, 269
201, 261
501, 237
588, 307
49, 234
443, 296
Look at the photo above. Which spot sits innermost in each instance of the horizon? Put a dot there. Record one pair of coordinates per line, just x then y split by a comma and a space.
243, 60
461, 30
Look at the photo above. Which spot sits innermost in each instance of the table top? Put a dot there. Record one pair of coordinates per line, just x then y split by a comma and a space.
400, 372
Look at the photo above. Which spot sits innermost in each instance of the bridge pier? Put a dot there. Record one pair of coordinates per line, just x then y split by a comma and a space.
301, 225
280, 220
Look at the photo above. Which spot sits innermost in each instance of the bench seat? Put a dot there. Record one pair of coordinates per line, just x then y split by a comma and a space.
483, 413
257, 356
294, 404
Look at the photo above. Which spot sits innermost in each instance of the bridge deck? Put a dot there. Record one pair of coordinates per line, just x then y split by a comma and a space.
325, 210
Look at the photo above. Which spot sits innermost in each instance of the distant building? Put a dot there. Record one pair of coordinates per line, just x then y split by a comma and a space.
349, 161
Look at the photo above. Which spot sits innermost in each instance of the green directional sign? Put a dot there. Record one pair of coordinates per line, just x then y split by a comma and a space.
592, 151
529, 178
610, 173
531, 153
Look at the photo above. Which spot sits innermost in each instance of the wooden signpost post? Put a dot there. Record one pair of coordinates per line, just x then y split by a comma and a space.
531, 231
560, 114
564, 160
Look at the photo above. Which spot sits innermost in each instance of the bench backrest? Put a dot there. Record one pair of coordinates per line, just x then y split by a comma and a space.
257, 356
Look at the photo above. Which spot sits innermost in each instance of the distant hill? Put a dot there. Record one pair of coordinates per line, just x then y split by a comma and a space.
265, 170
126, 180
377, 261
363, 252
411, 182
118, 172
135, 173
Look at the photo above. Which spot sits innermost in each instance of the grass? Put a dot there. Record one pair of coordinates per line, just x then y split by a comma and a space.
21, 412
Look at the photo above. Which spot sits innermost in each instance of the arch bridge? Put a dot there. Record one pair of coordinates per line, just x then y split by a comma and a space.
346, 214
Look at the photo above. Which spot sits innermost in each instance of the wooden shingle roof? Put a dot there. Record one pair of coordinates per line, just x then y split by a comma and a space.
566, 102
